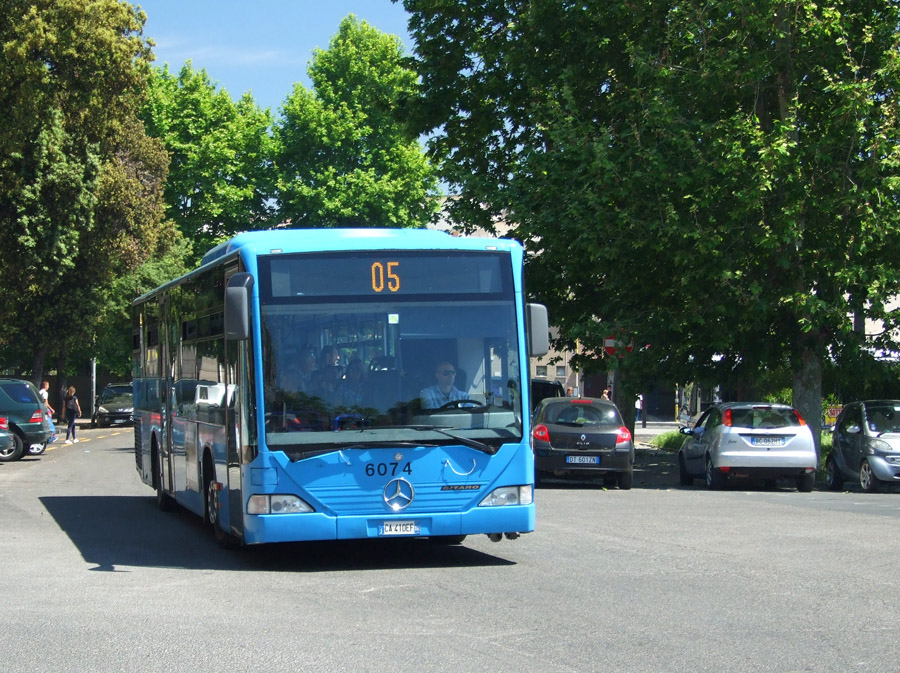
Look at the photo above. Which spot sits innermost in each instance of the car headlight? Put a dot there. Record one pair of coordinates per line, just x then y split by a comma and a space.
101, 410
277, 504
880, 445
508, 495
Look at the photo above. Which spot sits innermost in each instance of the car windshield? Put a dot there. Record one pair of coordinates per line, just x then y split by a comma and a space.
419, 368
883, 418
764, 417
112, 394
576, 413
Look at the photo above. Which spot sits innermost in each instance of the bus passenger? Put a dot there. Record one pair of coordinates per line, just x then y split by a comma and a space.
298, 377
443, 392
327, 379
353, 385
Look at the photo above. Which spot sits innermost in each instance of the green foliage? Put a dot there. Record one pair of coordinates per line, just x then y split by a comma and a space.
346, 156
80, 183
668, 441
221, 178
112, 346
716, 179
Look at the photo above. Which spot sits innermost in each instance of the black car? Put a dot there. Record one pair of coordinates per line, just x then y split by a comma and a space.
582, 436
28, 423
541, 389
115, 405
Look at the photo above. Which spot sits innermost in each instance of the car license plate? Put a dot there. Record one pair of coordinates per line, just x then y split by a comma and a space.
583, 460
767, 441
399, 528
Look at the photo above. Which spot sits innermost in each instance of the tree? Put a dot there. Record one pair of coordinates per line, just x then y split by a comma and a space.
718, 179
80, 183
346, 155
221, 177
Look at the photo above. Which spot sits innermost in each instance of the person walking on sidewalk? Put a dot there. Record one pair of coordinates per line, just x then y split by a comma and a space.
73, 411
44, 393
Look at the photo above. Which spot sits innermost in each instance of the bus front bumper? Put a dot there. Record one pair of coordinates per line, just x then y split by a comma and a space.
264, 528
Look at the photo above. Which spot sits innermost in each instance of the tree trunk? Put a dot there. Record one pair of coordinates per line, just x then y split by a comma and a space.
808, 391
37, 365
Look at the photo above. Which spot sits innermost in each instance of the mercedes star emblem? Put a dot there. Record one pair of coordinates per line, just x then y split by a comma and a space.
398, 494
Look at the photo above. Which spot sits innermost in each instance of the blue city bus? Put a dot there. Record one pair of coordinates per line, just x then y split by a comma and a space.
295, 387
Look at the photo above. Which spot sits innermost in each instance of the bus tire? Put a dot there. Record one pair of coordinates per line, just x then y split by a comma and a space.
163, 499
211, 489
447, 539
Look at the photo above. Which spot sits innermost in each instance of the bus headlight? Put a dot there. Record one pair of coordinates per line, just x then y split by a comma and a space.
508, 495
277, 504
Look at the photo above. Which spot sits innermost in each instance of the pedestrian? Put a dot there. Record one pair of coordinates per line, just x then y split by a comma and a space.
44, 394
607, 392
73, 411
638, 407
570, 392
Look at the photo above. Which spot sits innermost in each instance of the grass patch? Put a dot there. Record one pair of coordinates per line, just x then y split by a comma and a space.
668, 441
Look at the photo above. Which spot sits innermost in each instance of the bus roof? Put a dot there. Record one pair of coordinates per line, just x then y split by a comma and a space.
306, 240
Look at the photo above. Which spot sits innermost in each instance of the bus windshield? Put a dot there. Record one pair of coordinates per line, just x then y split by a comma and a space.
397, 349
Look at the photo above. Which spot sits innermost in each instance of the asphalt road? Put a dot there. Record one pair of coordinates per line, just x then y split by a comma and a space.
658, 578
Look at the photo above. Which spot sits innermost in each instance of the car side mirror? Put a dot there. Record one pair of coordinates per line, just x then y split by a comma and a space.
853, 430
686, 430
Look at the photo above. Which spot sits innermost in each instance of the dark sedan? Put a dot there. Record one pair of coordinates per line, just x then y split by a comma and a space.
114, 405
582, 436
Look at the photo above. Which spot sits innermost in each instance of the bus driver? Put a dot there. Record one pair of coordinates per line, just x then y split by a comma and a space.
443, 392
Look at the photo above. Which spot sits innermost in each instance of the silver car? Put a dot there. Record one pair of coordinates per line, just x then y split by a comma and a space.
748, 439
865, 445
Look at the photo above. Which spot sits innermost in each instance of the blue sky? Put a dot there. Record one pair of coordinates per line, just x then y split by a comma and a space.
263, 47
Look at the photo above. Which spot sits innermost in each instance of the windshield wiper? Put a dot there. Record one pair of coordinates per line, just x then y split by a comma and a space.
465, 441
471, 443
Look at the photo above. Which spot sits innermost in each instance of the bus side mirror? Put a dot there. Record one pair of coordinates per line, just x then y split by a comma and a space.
237, 307
538, 329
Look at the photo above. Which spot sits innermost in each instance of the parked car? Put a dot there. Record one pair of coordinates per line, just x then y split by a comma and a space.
582, 436
865, 445
28, 423
115, 405
748, 439
541, 389
9, 450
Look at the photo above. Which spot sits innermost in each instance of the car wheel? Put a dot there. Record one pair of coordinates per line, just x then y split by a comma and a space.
715, 480
868, 482
806, 482
684, 478
834, 480
35, 449
625, 479
13, 451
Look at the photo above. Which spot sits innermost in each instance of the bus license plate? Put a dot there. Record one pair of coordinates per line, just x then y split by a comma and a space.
399, 528
583, 460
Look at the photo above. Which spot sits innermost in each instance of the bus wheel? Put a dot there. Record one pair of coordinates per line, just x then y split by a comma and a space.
212, 507
446, 539
163, 500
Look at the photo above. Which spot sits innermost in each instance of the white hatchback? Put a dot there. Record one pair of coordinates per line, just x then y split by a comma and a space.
749, 439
